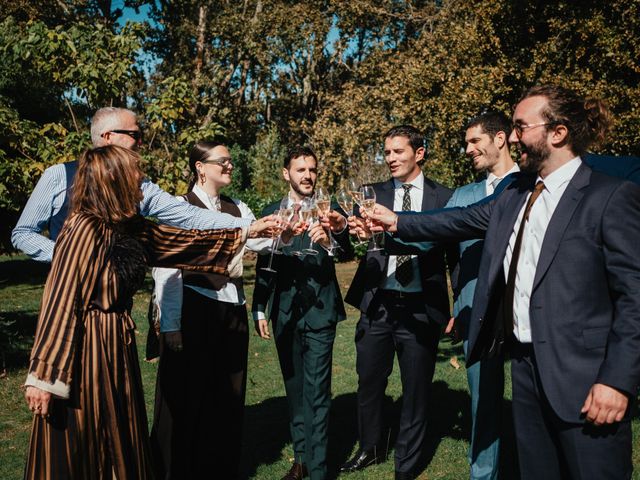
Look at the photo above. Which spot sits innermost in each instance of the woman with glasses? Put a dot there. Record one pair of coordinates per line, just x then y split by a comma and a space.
200, 391
84, 383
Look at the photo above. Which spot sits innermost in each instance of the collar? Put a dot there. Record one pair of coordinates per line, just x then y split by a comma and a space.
562, 175
212, 202
417, 183
492, 178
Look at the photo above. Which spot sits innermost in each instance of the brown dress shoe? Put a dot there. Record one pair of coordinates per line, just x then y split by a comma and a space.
298, 472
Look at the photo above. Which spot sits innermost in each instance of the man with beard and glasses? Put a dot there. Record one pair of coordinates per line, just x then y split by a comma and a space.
47, 207
305, 305
558, 287
487, 139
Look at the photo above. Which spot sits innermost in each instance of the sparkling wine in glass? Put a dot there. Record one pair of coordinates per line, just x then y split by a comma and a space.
345, 200
368, 203
323, 204
309, 214
355, 191
277, 230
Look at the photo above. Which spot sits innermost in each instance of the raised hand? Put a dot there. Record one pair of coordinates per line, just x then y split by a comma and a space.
334, 221
264, 227
319, 235
381, 218
358, 227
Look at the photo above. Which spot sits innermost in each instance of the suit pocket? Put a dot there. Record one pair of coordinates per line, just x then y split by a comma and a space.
588, 233
595, 337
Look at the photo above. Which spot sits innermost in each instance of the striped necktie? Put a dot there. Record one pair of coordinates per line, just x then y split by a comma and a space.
404, 269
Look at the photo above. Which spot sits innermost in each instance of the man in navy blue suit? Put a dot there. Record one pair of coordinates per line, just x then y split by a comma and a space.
403, 302
558, 286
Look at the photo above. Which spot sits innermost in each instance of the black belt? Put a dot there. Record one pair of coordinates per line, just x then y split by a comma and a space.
520, 350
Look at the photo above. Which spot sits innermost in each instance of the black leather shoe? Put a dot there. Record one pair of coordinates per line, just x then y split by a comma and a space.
404, 475
297, 472
362, 459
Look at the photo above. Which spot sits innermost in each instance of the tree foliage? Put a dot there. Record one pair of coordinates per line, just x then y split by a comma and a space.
265, 74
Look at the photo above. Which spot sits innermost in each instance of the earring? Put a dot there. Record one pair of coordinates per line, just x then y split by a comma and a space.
203, 179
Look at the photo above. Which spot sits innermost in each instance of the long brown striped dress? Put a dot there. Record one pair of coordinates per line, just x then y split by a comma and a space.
85, 339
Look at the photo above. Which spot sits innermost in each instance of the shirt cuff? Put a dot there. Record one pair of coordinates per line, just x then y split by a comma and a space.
57, 389
258, 316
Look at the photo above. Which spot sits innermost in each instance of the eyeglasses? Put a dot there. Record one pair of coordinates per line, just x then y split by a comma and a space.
135, 134
224, 162
519, 128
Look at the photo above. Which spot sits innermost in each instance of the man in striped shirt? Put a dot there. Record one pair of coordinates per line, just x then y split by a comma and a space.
47, 207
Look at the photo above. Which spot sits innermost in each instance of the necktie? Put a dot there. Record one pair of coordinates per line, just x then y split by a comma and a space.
404, 270
494, 183
513, 266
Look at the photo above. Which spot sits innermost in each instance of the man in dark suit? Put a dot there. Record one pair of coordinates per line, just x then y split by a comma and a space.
562, 290
403, 302
305, 305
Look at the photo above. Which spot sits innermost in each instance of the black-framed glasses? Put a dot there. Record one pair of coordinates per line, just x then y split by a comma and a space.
224, 162
135, 134
519, 128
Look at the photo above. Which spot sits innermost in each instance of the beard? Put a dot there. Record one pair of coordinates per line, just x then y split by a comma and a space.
296, 187
536, 154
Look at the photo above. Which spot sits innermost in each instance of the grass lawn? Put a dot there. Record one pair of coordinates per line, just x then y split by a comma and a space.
267, 450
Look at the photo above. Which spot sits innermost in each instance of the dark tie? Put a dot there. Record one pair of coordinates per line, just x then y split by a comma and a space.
404, 270
515, 256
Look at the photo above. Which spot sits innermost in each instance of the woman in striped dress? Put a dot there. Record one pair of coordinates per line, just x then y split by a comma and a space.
84, 383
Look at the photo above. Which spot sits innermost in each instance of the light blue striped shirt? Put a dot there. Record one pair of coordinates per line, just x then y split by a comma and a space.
49, 196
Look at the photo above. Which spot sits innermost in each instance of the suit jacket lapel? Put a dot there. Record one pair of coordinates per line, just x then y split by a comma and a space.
429, 196
385, 195
504, 229
560, 220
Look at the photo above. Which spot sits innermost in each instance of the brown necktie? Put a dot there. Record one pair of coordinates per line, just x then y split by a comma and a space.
513, 266
404, 269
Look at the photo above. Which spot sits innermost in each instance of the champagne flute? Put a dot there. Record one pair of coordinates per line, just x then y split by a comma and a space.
296, 209
368, 203
355, 191
308, 214
283, 213
345, 200
277, 230
323, 204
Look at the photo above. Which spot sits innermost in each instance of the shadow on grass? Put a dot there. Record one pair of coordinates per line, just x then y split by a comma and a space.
22, 271
266, 432
266, 429
17, 330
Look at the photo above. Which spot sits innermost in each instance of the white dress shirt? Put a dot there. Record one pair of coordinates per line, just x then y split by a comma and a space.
541, 212
168, 281
416, 193
493, 181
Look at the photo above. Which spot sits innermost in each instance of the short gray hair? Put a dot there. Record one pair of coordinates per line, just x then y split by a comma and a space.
104, 120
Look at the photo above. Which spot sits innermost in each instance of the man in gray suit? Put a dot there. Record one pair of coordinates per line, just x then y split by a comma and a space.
487, 139
558, 285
